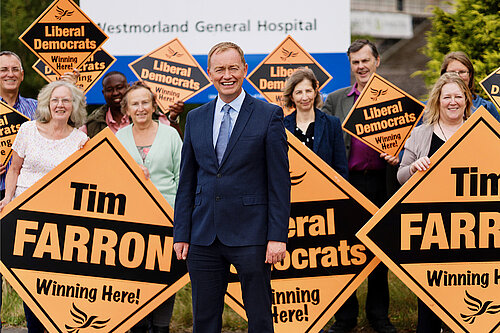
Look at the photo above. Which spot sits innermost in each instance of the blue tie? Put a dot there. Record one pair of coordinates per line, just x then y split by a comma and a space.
224, 133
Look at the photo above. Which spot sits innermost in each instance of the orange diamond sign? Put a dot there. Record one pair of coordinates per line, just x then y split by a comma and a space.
444, 224
491, 84
270, 75
172, 73
10, 121
90, 71
63, 37
89, 246
325, 262
383, 116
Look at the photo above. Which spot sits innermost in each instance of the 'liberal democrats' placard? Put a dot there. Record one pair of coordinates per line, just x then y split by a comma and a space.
10, 121
270, 76
491, 84
63, 36
383, 116
325, 262
90, 71
444, 238
172, 73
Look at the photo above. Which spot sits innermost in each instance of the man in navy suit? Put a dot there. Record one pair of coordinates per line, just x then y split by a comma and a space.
233, 202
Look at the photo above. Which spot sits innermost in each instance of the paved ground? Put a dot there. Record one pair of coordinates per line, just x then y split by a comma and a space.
14, 330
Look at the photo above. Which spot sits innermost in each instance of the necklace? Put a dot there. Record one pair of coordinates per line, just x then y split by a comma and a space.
439, 124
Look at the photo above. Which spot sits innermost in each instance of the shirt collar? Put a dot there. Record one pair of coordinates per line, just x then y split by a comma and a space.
235, 103
354, 90
16, 104
111, 120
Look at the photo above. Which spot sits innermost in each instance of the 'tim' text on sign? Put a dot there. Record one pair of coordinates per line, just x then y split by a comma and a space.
445, 229
93, 238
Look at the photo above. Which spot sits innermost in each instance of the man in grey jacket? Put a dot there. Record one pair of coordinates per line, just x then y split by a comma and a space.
367, 172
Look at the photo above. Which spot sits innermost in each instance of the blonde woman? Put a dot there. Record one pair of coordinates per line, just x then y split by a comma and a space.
448, 107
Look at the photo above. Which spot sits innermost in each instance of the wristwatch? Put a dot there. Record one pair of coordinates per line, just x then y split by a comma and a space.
176, 121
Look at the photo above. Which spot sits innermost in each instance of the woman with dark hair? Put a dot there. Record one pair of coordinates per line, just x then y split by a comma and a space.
448, 107
458, 62
318, 131
157, 149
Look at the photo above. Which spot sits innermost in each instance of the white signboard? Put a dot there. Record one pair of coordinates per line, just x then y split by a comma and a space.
383, 25
322, 27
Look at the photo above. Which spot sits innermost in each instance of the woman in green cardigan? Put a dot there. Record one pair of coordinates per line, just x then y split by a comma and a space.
157, 149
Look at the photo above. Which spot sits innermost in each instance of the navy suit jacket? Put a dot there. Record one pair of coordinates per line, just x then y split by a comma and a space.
328, 141
246, 199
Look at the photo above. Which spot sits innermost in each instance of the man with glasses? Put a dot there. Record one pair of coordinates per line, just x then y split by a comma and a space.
11, 76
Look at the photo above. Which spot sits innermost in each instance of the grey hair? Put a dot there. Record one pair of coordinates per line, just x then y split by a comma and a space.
10, 53
78, 115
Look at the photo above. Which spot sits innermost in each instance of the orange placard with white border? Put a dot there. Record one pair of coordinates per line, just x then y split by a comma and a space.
89, 247
325, 263
63, 36
10, 121
90, 71
270, 75
444, 242
383, 116
172, 73
491, 85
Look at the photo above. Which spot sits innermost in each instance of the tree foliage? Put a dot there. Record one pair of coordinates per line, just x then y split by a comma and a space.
474, 28
16, 16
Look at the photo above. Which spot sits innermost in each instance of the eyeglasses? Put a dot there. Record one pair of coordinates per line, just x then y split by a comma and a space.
14, 70
461, 73
65, 101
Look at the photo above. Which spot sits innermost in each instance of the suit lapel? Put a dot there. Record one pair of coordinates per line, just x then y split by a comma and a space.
290, 121
347, 104
239, 126
208, 123
319, 126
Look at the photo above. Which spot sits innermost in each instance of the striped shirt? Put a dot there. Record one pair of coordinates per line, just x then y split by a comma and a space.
26, 106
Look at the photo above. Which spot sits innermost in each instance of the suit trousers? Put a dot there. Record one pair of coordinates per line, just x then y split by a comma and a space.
208, 268
428, 321
372, 183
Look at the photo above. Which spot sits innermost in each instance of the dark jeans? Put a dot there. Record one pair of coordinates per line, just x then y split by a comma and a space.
372, 183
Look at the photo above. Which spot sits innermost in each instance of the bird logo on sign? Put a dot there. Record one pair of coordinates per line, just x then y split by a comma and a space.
376, 93
288, 54
478, 307
84, 321
296, 180
172, 53
63, 12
